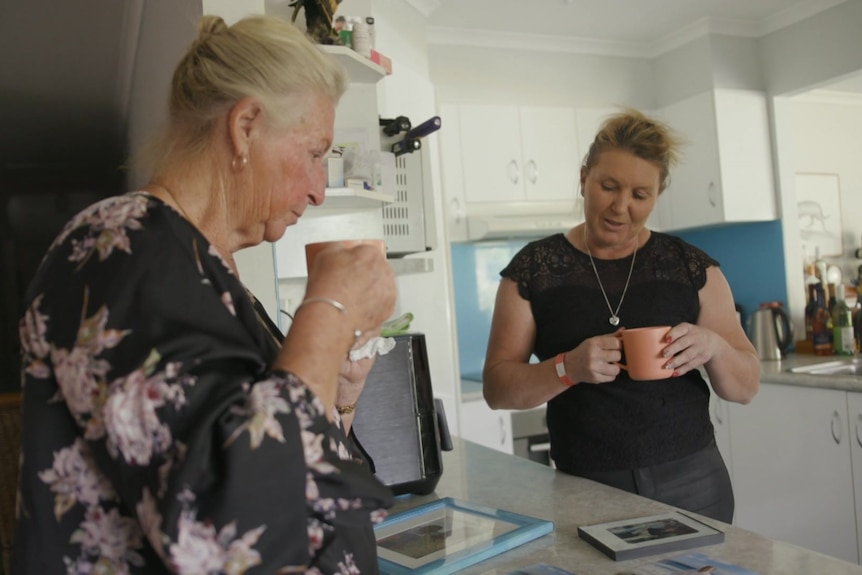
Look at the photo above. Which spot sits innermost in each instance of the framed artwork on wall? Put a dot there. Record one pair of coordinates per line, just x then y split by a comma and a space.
818, 198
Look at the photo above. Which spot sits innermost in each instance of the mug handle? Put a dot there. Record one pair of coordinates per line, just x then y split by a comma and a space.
619, 335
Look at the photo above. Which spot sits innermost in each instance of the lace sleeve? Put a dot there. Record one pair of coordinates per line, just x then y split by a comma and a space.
697, 262
521, 269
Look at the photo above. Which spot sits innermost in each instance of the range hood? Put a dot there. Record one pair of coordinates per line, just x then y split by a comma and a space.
493, 220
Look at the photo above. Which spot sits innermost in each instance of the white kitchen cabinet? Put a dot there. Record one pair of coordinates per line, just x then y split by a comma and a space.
792, 471
854, 412
513, 153
485, 426
725, 174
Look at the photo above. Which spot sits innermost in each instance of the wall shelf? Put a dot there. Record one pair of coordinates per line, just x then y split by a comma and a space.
351, 199
360, 69
405, 266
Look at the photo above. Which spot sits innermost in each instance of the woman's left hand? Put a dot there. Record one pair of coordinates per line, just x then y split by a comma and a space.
351, 380
690, 347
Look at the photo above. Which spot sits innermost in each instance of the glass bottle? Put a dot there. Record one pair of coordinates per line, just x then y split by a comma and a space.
821, 324
843, 340
810, 308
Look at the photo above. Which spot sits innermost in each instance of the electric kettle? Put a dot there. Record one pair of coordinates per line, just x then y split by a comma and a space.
771, 331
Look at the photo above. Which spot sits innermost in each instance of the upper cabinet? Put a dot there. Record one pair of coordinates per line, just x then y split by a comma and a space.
509, 171
725, 174
515, 153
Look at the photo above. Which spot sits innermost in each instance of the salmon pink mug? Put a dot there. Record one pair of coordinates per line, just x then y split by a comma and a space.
312, 249
642, 347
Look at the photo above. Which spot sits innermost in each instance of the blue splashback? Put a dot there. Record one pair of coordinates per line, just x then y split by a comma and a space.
475, 277
751, 258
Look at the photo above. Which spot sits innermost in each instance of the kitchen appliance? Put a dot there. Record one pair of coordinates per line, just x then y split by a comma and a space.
399, 423
530, 438
771, 331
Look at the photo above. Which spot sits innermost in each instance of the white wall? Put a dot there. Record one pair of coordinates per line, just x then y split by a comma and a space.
823, 48
826, 139
816, 50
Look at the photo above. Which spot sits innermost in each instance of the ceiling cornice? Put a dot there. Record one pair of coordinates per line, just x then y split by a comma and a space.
829, 97
567, 44
425, 7
796, 14
534, 42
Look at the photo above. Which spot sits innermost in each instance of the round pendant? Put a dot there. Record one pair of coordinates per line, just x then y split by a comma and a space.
614, 320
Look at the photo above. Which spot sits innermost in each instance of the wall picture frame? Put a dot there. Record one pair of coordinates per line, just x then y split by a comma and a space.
643, 536
818, 202
447, 535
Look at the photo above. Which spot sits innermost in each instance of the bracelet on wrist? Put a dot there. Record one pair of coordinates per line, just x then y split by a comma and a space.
334, 303
560, 366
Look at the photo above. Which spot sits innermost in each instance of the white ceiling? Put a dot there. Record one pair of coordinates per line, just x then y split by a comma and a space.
643, 28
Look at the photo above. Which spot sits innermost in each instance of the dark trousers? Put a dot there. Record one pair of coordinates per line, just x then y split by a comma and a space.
698, 482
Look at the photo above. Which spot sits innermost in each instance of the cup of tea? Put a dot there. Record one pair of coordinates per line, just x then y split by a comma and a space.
642, 347
312, 249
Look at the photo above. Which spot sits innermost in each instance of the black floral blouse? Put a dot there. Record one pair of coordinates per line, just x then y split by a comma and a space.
156, 437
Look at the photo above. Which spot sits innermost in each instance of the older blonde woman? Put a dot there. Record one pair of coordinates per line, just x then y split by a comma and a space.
168, 428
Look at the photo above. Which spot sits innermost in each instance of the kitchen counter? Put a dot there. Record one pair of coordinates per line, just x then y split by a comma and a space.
471, 390
486, 477
777, 372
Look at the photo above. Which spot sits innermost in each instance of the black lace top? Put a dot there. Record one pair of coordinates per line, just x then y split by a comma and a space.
622, 424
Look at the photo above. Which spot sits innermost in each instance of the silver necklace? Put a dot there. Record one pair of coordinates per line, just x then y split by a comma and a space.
615, 318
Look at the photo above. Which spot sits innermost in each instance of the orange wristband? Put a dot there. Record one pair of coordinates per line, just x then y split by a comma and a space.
560, 365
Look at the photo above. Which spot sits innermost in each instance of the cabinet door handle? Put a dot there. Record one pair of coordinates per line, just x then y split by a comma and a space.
710, 194
859, 429
514, 172
457, 212
502, 430
532, 172
836, 427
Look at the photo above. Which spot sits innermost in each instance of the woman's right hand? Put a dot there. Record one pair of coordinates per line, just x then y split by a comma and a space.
360, 278
594, 360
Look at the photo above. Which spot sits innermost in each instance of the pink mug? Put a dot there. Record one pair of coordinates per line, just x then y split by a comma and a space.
642, 347
311, 250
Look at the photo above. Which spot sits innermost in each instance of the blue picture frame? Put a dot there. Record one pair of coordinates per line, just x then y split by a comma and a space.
447, 535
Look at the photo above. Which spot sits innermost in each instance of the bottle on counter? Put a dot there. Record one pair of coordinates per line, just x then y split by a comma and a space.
831, 298
821, 324
857, 324
843, 339
810, 308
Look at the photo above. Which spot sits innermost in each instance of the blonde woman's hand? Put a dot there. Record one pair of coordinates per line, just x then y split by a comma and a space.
360, 278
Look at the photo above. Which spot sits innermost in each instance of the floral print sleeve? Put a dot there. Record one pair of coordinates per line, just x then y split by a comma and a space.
157, 440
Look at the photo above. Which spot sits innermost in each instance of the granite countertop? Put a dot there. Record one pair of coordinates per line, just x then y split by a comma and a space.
777, 372
471, 390
486, 477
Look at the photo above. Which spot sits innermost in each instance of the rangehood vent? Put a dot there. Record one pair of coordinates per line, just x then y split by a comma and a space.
486, 221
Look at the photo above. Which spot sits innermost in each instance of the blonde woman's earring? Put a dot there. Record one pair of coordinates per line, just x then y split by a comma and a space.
239, 162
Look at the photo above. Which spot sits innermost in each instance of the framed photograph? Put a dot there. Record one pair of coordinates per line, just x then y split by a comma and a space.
447, 535
642, 536
691, 563
818, 198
